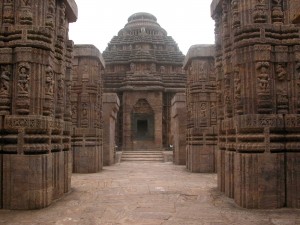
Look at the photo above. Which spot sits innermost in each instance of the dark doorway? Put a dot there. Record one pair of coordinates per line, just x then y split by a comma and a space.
142, 128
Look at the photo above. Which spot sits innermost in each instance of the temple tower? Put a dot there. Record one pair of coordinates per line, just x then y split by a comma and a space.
35, 110
144, 68
257, 69
86, 98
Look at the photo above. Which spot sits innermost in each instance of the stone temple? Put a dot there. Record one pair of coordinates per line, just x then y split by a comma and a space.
230, 108
144, 68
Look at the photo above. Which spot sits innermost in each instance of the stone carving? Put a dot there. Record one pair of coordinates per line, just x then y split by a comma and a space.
25, 13
201, 108
235, 14
50, 20
35, 130
5, 89
23, 101
8, 12
277, 13
86, 99
257, 73
281, 89
260, 12
263, 77
5, 81
49, 92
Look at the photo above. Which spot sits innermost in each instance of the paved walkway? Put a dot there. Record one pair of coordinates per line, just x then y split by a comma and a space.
147, 193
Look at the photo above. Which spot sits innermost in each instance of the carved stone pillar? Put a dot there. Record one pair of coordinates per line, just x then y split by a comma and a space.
257, 66
87, 108
202, 108
35, 136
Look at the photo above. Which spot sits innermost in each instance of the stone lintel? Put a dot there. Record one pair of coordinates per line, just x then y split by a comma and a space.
85, 50
199, 51
215, 6
179, 97
111, 98
71, 10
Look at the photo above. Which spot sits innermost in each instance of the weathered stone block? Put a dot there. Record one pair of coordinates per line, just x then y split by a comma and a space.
27, 181
259, 180
201, 159
111, 106
87, 159
178, 131
293, 179
229, 174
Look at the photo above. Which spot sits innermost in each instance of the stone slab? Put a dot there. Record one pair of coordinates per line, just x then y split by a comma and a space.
131, 193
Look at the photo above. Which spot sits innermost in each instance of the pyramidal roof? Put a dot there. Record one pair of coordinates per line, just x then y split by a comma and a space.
142, 39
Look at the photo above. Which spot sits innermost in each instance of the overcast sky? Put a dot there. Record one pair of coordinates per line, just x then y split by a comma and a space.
187, 21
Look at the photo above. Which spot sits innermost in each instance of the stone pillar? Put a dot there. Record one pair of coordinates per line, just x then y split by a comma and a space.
35, 110
178, 128
201, 107
258, 76
86, 101
111, 104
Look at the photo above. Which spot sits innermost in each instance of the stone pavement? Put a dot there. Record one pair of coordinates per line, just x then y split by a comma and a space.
139, 193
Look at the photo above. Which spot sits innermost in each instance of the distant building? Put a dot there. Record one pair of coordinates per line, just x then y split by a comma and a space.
144, 68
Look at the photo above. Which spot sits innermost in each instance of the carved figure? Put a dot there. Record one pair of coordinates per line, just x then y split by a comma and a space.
281, 72
23, 82
4, 81
49, 80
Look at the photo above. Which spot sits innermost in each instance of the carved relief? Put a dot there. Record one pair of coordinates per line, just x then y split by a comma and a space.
235, 14
62, 21
50, 18
48, 109
84, 115
23, 88
263, 77
260, 12
226, 32
25, 13
263, 87
281, 88
5, 89
237, 91
277, 13
8, 12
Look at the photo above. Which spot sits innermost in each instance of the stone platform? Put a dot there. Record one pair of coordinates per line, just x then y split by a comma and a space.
138, 193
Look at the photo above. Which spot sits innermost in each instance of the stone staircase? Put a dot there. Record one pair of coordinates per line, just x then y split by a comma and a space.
142, 156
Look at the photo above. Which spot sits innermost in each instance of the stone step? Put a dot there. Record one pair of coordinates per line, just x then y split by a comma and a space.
148, 156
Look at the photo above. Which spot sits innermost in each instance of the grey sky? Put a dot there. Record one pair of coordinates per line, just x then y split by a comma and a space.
188, 22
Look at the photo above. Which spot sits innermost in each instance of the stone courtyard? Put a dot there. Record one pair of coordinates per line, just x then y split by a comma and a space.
147, 193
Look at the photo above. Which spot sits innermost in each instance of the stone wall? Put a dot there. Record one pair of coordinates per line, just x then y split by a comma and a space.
111, 105
258, 76
178, 128
201, 107
87, 109
35, 110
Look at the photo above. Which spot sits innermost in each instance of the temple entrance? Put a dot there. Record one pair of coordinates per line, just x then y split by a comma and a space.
142, 125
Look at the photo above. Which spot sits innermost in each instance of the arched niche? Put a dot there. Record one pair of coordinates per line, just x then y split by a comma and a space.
142, 121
